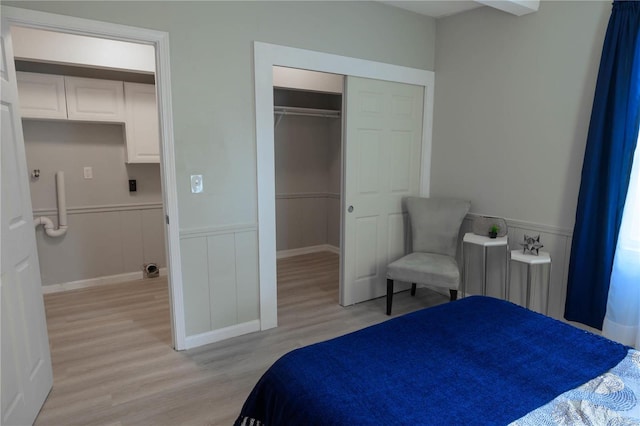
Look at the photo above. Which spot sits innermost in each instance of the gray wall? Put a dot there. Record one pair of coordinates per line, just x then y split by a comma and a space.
111, 231
307, 154
212, 76
213, 111
512, 103
513, 100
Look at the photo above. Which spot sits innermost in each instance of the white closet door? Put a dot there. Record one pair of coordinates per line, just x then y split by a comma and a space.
383, 139
26, 362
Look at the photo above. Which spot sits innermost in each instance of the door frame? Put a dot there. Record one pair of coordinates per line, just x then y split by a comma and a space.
265, 57
160, 41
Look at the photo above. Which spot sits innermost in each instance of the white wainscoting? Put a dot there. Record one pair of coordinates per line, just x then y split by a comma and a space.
220, 279
556, 241
220, 275
102, 244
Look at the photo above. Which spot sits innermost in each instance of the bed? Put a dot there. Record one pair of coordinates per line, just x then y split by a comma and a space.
478, 360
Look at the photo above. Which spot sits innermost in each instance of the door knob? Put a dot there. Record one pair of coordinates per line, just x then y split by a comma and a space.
350, 209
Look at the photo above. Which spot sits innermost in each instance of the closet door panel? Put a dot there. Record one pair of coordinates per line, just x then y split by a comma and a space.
383, 142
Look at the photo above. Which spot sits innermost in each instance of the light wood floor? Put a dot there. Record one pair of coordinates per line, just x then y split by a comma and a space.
113, 364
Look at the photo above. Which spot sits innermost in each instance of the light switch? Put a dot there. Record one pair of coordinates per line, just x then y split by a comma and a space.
88, 172
196, 184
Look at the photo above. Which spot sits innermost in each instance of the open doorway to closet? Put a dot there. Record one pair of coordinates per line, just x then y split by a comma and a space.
308, 181
92, 143
369, 110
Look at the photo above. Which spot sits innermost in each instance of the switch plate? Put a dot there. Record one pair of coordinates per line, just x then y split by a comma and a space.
196, 184
133, 186
88, 172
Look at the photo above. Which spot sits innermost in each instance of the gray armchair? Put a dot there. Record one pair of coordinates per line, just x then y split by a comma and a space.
435, 225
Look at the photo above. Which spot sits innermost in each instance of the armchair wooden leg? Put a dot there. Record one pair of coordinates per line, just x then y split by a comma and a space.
413, 289
453, 295
389, 295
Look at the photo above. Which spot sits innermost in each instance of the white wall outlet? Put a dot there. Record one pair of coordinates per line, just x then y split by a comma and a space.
88, 172
196, 184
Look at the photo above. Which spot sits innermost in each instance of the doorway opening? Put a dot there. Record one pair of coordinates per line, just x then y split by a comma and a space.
308, 186
91, 120
265, 57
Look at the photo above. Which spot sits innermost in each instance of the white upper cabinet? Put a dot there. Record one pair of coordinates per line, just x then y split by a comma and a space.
90, 99
141, 126
56, 97
70, 98
41, 96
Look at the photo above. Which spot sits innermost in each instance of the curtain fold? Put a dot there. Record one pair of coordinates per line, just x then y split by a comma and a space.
622, 320
606, 169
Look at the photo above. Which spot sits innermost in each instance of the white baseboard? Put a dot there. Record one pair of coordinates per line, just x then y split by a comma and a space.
95, 282
222, 334
281, 254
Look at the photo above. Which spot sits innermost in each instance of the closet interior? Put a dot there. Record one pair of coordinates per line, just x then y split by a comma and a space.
308, 162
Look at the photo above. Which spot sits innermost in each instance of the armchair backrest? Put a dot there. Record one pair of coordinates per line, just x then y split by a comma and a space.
435, 223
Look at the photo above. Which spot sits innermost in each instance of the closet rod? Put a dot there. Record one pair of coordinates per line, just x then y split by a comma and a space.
309, 112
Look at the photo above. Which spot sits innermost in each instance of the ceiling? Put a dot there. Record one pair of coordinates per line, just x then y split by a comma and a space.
435, 9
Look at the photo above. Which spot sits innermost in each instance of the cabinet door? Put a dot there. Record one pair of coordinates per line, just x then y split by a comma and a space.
41, 96
90, 99
143, 139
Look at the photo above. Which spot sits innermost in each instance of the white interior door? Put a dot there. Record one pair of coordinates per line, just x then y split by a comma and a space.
383, 139
26, 372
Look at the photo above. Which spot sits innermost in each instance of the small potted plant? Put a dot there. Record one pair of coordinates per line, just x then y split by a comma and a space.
493, 231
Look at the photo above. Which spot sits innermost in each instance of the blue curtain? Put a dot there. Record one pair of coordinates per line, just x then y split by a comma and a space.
606, 169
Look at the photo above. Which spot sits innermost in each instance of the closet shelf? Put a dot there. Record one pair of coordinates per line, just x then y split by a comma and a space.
309, 112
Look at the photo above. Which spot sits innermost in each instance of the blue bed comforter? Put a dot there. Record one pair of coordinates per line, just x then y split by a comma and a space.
477, 361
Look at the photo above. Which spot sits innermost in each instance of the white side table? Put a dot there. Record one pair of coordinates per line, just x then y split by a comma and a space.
485, 243
533, 291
